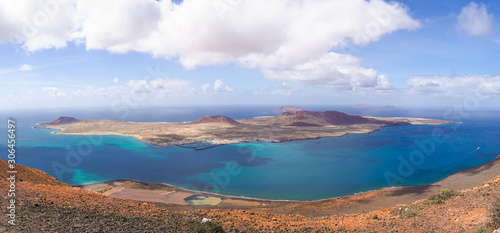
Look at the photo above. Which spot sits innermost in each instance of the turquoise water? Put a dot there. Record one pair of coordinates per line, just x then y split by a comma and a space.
297, 170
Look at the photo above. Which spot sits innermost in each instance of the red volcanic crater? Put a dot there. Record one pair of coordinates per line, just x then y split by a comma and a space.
311, 118
63, 120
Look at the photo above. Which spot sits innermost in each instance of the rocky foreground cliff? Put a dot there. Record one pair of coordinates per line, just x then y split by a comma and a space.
45, 204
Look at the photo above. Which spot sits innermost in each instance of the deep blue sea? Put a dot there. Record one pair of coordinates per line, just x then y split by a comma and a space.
296, 170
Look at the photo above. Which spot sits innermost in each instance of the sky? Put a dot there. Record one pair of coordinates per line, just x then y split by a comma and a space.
89, 53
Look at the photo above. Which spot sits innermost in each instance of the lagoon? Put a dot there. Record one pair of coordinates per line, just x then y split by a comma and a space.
296, 170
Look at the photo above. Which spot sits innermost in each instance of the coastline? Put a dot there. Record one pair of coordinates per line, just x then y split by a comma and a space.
214, 142
358, 202
467, 211
222, 141
220, 130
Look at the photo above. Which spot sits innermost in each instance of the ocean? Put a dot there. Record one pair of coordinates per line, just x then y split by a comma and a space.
296, 170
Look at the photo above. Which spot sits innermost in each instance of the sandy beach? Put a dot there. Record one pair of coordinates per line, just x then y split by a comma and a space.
369, 201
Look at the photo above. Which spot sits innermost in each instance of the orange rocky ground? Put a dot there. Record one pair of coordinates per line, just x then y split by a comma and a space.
58, 207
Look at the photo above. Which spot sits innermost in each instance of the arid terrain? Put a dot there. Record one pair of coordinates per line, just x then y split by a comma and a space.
44, 204
218, 130
468, 201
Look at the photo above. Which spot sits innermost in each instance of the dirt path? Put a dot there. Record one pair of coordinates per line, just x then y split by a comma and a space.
162, 196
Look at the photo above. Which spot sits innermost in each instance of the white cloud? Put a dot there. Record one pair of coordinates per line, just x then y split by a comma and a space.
160, 87
53, 92
37, 25
217, 87
339, 71
206, 87
115, 80
284, 90
281, 37
25, 67
283, 32
89, 91
171, 85
116, 25
458, 85
474, 20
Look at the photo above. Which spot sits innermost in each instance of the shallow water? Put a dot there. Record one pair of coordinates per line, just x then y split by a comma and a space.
297, 170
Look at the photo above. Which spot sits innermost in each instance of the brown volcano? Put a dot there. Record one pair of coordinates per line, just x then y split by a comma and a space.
63, 120
310, 118
216, 119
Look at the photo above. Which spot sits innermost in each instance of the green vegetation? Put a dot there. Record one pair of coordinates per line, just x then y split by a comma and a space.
206, 227
101, 191
442, 195
495, 213
480, 229
341, 229
324, 202
375, 216
411, 212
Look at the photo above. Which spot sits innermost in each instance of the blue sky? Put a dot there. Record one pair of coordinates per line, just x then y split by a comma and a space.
158, 53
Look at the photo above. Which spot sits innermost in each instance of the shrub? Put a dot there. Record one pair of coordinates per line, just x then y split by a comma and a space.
206, 227
341, 229
375, 216
495, 213
410, 212
480, 229
442, 195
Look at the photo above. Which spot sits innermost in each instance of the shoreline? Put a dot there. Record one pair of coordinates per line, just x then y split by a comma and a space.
220, 130
211, 141
228, 141
370, 200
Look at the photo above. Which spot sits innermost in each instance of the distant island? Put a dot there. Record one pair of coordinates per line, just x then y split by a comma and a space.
217, 130
283, 109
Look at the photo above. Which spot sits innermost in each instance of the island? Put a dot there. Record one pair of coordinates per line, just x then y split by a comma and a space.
218, 130
283, 109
